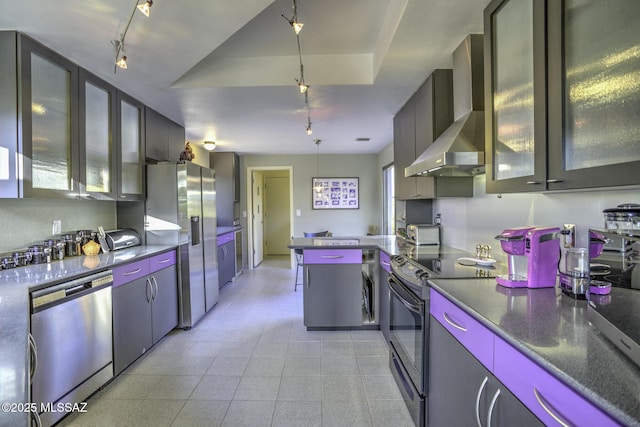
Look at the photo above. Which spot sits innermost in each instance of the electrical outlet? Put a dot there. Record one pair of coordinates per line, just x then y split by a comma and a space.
56, 226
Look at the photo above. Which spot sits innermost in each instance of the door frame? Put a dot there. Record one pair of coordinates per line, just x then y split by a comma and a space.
249, 192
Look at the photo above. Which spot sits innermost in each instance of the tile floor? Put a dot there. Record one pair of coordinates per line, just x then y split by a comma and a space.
251, 362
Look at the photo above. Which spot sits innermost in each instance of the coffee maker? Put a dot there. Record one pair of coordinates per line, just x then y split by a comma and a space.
533, 255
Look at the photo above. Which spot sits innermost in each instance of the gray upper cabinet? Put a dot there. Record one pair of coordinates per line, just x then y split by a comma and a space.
594, 96
38, 120
564, 115
97, 124
418, 123
157, 135
515, 95
227, 167
131, 131
164, 137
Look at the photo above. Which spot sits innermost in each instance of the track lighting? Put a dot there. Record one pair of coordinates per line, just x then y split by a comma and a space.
209, 145
295, 24
120, 57
309, 131
303, 87
122, 62
145, 7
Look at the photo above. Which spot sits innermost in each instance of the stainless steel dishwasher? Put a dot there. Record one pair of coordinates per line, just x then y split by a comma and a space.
71, 324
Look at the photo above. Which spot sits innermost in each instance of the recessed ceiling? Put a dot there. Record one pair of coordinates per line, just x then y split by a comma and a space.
227, 69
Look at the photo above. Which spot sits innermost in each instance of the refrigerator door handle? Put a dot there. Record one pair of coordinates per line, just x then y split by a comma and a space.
195, 230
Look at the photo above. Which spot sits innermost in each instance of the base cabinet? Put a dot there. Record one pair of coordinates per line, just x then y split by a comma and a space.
145, 307
226, 258
332, 295
463, 392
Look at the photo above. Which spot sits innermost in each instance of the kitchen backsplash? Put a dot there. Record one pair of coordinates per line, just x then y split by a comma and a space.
25, 221
467, 222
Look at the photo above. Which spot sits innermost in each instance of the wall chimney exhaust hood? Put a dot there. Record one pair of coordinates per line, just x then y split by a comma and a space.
459, 150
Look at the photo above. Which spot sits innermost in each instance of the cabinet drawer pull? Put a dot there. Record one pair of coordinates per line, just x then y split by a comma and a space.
331, 256
452, 323
553, 181
387, 263
534, 182
547, 408
33, 358
482, 386
491, 407
164, 261
129, 273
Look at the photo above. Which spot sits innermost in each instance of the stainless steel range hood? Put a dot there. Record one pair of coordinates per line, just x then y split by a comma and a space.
459, 150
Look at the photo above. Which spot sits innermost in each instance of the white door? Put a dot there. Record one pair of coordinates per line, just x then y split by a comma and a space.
257, 216
277, 226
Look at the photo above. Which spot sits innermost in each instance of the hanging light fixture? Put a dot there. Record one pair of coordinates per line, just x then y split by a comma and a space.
209, 145
318, 185
309, 131
302, 86
293, 21
120, 57
145, 7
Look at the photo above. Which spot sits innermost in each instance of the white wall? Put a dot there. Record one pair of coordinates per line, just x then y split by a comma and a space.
341, 222
28, 221
469, 221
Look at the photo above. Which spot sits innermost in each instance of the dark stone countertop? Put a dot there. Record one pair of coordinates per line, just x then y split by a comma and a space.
15, 285
552, 329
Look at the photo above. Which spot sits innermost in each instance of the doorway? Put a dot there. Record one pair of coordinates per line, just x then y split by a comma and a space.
270, 202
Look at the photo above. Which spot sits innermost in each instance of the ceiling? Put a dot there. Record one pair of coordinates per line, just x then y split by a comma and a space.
226, 69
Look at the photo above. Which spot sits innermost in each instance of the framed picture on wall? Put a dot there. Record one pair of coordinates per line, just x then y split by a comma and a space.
335, 193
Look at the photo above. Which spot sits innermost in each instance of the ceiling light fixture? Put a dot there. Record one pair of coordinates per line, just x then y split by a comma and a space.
120, 57
318, 187
309, 131
145, 7
302, 86
209, 145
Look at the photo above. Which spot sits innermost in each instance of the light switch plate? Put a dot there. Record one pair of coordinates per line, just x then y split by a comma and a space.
298, 212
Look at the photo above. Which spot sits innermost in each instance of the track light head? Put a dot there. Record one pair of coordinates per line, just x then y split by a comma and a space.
145, 7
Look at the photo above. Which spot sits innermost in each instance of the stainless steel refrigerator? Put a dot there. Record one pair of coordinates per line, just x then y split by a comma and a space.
181, 210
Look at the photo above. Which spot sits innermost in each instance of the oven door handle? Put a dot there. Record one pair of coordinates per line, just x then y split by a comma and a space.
403, 294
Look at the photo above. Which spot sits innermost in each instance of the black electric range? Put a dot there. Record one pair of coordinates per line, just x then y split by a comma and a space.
421, 263
617, 315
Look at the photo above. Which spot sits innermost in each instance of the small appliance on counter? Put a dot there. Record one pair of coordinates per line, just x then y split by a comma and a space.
423, 234
121, 238
533, 255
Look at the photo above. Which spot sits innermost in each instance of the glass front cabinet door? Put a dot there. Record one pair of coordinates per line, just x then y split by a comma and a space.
515, 95
49, 160
130, 148
97, 129
594, 93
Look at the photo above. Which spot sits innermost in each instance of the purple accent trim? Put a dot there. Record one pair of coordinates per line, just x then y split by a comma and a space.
605, 289
543, 393
385, 261
130, 272
225, 238
332, 256
477, 339
164, 260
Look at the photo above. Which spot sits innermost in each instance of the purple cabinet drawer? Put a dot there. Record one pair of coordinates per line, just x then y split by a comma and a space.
164, 260
224, 238
468, 331
385, 261
547, 397
130, 272
332, 256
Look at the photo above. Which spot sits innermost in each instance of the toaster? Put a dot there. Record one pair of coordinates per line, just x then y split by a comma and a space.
423, 234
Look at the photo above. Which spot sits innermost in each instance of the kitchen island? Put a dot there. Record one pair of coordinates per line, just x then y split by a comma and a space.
15, 285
